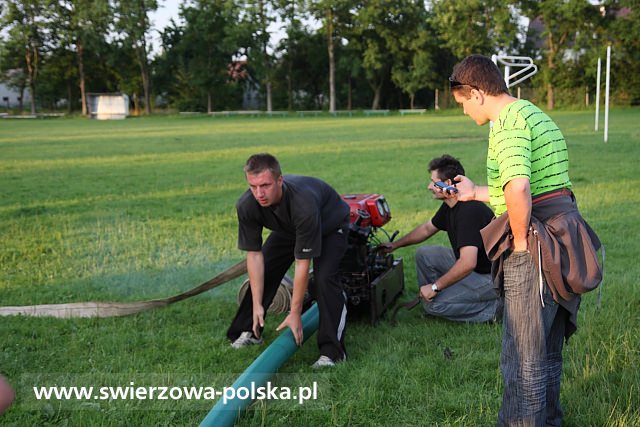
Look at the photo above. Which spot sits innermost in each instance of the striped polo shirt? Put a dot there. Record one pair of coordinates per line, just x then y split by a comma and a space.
525, 143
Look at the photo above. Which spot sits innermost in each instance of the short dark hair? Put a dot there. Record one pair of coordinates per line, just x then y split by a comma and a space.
260, 162
448, 167
479, 72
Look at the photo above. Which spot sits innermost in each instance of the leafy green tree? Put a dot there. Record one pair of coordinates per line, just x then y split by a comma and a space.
122, 60
291, 12
26, 22
13, 68
563, 22
81, 25
349, 70
132, 19
476, 26
413, 51
390, 40
304, 66
623, 33
336, 17
167, 63
58, 79
258, 17
196, 68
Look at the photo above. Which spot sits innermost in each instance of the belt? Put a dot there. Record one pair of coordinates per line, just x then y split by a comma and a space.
554, 194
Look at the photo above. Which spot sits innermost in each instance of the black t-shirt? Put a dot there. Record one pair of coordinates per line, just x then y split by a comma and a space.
310, 208
463, 223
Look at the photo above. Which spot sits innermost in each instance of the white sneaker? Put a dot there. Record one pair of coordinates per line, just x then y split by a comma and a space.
322, 362
245, 339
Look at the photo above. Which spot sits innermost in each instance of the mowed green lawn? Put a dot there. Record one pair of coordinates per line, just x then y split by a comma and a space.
144, 208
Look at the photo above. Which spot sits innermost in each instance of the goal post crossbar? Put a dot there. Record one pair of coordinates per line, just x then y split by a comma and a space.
525, 63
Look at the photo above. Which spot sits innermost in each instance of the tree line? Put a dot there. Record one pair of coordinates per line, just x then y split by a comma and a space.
219, 54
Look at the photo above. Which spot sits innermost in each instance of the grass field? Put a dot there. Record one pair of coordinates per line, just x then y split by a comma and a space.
144, 208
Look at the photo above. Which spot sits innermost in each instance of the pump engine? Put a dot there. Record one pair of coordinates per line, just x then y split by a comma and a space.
372, 280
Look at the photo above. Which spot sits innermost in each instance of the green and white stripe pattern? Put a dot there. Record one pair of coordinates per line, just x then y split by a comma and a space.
525, 143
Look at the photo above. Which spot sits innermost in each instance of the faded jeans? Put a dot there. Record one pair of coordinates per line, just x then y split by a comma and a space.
471, 299
533, 336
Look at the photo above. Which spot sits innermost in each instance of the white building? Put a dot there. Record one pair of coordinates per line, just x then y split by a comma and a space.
10, 98
108, 106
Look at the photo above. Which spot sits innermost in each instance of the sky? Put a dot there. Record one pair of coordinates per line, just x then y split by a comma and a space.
167, 9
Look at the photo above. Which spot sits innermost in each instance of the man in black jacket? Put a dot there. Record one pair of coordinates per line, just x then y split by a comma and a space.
308, 221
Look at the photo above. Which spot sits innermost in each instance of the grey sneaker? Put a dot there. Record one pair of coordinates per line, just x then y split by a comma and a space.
322, 362
245, 339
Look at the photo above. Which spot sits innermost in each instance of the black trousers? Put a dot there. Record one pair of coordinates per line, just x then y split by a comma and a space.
326, 289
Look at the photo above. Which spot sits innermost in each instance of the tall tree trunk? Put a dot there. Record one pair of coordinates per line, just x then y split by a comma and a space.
290, 86
69, 95
31, 58
32, 89
21, 98
83, 95
377, 94
267, 79
412, 99
446, 96
144, 73
209, 102
136, 105
332, 62
269, 102
350, 95
145, 87
550, 68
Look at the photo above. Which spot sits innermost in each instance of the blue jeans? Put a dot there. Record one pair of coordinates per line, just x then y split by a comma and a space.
471, 299
533, 336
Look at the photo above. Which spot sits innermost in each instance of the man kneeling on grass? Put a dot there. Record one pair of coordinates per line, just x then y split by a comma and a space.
455, 283
308, 221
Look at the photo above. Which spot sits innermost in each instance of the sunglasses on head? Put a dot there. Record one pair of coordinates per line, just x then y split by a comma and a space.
453, 83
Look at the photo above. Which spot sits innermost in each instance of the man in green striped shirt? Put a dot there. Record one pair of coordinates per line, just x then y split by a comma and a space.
527, 158
525, 143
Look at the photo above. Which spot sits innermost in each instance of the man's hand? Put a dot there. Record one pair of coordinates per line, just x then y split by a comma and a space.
294, 322
386, 248
517, 196
258, 319
466, 188
427, 293
520, 245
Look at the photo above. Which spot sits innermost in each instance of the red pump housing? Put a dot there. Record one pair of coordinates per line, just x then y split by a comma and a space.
368, 209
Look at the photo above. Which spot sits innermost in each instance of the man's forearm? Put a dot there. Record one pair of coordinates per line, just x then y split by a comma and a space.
464, 265
300, 283
457, 272
481, 193
255, 270
517, 196
417, 235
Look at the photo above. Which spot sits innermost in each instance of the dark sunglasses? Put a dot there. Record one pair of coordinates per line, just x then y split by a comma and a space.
453, 83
